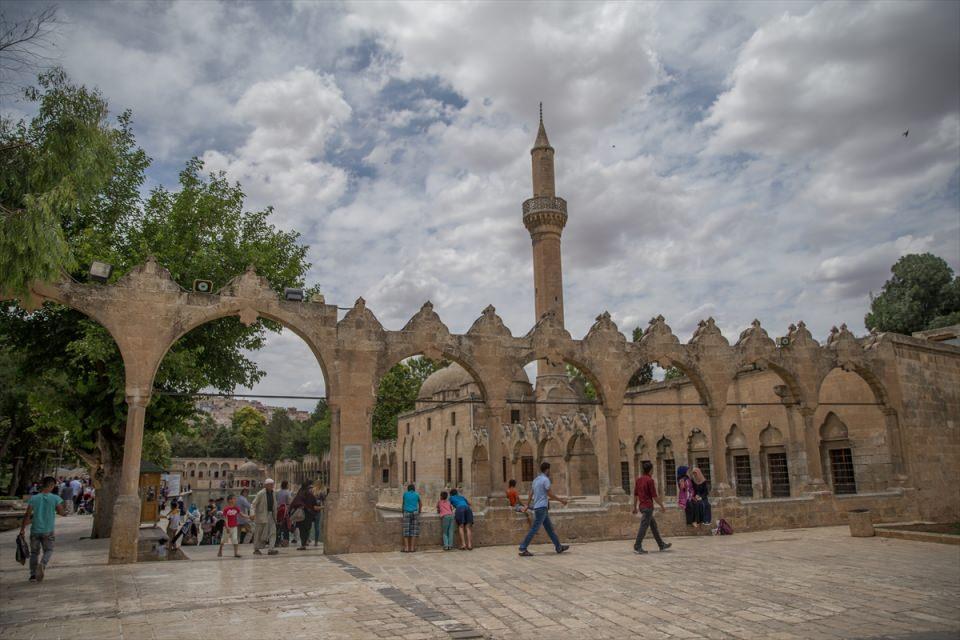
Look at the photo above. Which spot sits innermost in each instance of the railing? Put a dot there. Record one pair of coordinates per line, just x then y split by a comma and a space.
544, 203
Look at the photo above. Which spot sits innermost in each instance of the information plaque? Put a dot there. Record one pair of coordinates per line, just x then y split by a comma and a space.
352, 460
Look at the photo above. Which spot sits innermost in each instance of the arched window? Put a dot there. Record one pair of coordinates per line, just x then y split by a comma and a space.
738, 459
773, 454
837, 453
667, 467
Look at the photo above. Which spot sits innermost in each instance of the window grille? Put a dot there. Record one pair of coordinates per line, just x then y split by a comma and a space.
743, 476
841, 469
526, 469
448, 470
385, 476
459, 470
453, 418
779, 475
670, 477
413, 471
704, 464
504, 468
405, 476
514, 416
625, 477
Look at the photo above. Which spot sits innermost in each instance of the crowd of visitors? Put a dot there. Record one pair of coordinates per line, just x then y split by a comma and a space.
272, 519
77, 493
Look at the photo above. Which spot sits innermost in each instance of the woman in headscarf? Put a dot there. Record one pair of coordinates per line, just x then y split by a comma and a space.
685, 494
701, 491
306, 502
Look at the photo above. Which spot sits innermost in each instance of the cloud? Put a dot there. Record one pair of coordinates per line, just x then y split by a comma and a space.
865, 271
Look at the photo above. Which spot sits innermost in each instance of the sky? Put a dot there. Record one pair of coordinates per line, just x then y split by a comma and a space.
733, 160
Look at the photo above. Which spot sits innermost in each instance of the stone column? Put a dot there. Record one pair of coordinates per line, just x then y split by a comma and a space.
721, 481
610, 486
815, 483
895, 444
797, 459
126, 509
495, 452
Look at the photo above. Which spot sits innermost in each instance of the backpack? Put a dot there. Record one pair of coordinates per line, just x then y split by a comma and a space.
723, 528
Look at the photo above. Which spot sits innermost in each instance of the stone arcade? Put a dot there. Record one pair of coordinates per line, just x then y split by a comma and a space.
792, 433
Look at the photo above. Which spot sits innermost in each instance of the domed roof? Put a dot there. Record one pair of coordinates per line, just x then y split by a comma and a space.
454, 376
249, 467
451, 377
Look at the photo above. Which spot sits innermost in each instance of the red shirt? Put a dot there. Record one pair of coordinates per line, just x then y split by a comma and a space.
231, 513
513, 497
646, 490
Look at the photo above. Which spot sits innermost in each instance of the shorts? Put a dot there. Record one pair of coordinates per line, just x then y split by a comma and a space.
464, 515
411, 524
229, 535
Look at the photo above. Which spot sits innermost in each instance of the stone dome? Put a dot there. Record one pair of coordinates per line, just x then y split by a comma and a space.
453, 377
249, 468
450, 378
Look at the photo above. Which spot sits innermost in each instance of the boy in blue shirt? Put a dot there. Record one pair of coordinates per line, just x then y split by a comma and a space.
41, 513
411, 519
539, 500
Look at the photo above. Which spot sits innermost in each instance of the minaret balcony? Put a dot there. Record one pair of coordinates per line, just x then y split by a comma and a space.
544, 210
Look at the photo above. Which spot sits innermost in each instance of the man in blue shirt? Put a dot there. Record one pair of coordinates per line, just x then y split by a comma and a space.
412, 506
41, 513
539, 500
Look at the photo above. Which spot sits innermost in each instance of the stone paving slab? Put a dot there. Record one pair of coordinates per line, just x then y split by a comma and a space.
801, 583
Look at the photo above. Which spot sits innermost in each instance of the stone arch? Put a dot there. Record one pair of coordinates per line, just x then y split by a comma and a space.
568, 356
837, 455
583, 466
434, 352
658, 357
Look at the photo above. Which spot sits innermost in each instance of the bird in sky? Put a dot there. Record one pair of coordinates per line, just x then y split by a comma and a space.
906, 133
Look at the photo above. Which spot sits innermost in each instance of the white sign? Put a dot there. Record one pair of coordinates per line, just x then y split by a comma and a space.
352, 460
172, 482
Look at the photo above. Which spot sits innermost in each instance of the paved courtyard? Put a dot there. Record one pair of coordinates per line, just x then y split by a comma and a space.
809, 583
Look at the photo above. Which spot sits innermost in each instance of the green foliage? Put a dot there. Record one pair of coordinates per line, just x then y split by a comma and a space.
250, 428
52, 170
79, 178
643, 375
157, 448
285, 437
922, 294
576, 376
226, 443
673, 373
397, 393
318, 435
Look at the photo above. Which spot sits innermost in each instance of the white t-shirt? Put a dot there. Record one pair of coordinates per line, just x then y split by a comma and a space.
76, 487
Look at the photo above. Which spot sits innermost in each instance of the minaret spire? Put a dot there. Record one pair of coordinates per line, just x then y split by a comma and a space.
542, 142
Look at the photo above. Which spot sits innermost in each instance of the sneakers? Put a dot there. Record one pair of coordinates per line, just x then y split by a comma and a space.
33, 578
640, 551
666, 545
257, 552
272, 552
40, 569
563, 548
525, 553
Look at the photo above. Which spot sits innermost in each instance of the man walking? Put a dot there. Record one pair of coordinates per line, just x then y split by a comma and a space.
265, 519
76, 487
41, 514
540, 497
644, 493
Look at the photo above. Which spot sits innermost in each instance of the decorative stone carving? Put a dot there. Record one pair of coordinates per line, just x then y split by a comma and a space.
489, 324
708, 334
149, 277
844, 344
360, 318
605, 332
250, 286
800, 337
755, 346
658, 336
426, 321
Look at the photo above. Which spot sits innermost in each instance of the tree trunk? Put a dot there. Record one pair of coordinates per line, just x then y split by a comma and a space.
105, 467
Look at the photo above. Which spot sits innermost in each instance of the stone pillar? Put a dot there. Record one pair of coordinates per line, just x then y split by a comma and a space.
898, 477
126, 509
797, 459
811, 439
495, 452
610, 486
721, 481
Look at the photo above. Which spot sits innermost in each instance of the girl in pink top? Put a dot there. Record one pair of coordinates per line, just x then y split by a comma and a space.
685, 494
445, 509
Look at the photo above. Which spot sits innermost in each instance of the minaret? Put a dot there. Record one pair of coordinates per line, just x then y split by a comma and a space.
544, 216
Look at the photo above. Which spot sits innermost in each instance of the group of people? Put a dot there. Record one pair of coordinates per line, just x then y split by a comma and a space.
77, 494
276, 518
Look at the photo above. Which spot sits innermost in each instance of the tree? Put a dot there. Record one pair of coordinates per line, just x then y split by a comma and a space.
250, 427
922, 294
397, 393
157, 448
673, 374
24, 45
577, 378
226, 443
199, 230
643, 375
318, 434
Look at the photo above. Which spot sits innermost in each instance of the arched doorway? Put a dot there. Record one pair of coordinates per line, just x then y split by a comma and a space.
584, 470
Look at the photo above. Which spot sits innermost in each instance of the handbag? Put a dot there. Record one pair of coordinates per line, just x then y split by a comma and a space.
23, 549
297, 515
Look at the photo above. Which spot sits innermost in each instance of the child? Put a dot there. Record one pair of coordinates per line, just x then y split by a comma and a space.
464, 517
445, 509
514, 497
173, 525
412, 506
231, 515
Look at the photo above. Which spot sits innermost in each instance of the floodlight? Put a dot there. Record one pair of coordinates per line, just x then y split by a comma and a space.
203, 286
100, 271
292, 294
784, 341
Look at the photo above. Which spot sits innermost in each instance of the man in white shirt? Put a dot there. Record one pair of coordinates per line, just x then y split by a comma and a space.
539, 500
77, 488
